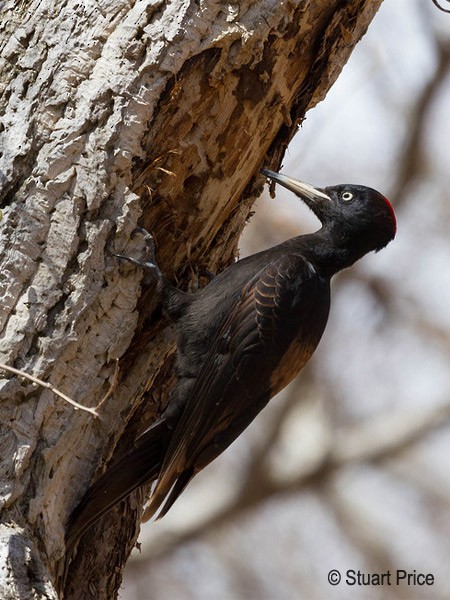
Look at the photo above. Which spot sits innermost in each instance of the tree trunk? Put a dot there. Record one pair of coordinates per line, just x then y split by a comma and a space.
157, 112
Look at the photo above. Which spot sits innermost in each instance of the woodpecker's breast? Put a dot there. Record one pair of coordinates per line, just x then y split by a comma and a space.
290, 365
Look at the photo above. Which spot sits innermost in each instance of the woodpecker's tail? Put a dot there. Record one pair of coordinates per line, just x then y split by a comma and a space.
138, 466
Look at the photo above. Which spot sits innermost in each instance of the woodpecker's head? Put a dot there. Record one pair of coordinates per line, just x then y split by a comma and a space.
355, 214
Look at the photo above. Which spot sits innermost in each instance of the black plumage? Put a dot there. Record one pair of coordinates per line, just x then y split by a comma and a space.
241, 339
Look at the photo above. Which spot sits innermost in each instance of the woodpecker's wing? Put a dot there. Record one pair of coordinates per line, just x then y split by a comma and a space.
262, 344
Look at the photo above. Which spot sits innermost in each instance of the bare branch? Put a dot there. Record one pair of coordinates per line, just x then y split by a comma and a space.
411, 162
51, 387
446, 10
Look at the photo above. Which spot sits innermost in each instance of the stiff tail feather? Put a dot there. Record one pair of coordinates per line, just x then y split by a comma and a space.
162, 500
136, 467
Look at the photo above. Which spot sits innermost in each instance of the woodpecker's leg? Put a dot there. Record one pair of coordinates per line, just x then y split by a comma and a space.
174, 300
148, 262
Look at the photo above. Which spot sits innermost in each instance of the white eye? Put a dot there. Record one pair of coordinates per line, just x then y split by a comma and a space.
347, 196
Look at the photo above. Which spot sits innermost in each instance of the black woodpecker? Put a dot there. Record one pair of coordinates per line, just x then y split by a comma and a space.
240, 340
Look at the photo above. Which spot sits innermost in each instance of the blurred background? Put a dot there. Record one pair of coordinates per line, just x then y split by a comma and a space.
349, 468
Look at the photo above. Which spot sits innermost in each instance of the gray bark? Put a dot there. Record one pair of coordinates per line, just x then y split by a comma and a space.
111, 113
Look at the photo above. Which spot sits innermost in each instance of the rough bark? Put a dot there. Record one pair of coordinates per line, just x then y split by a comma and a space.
111, 113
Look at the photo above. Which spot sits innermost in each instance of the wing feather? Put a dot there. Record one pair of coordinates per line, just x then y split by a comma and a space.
233, 384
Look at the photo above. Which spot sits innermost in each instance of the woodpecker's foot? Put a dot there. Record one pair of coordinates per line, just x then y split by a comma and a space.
148, 262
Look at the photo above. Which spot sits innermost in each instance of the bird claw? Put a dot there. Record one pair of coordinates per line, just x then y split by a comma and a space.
148, 263
149, 243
